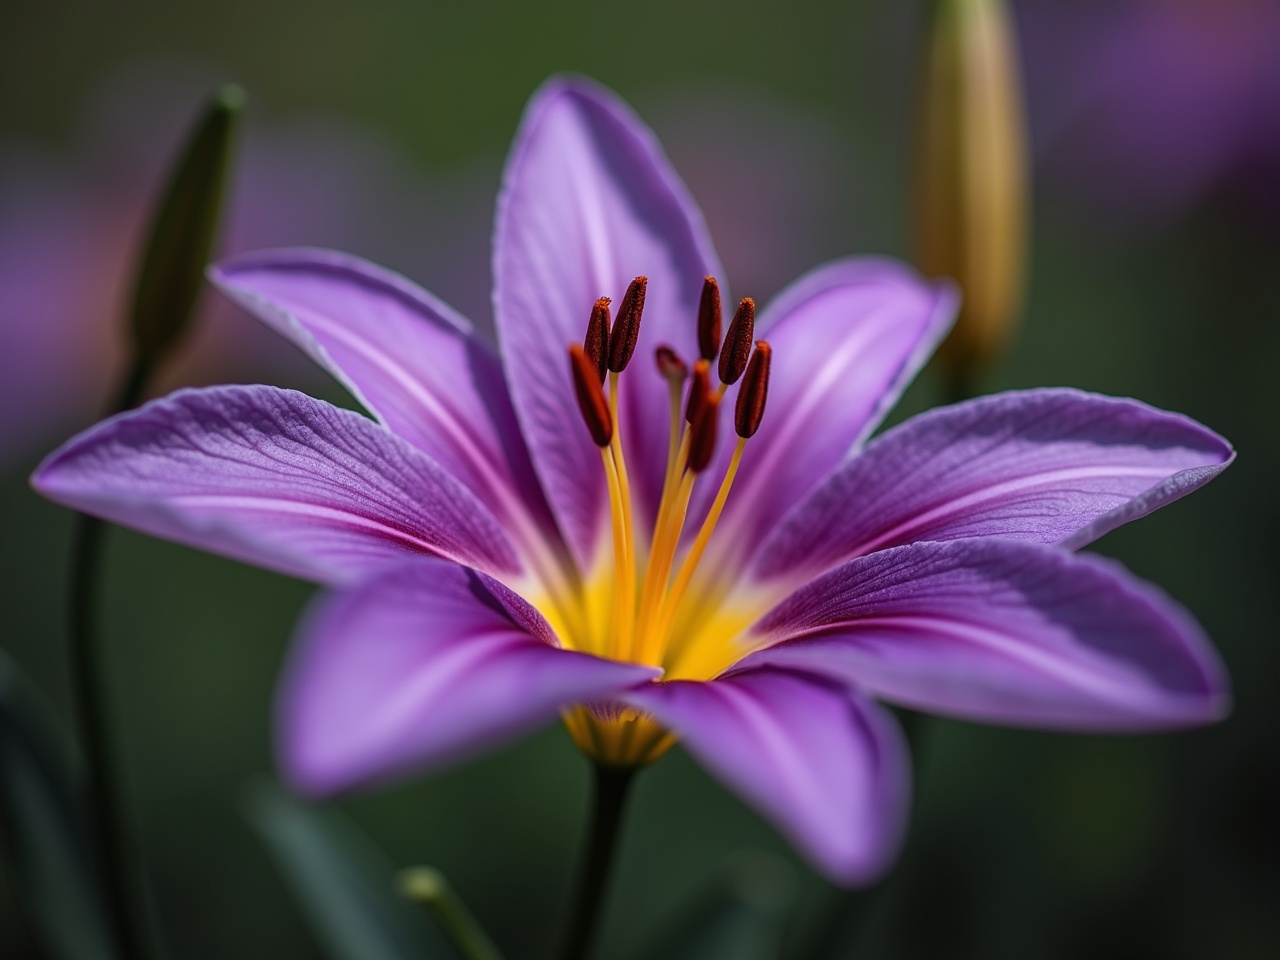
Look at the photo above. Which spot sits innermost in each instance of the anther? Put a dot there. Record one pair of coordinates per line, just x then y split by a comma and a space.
702, 439
753, 393
591, 400
596, 342
699, 391
737, 342
626, 330
709, 319
670, 365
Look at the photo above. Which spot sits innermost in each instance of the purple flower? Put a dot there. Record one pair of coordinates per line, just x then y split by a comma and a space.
499, 569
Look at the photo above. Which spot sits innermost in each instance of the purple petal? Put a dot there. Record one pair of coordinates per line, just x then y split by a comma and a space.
1049, 466
1002, 631
274, 478
420, 667
411, 361
847, 339
828, 767
588, 203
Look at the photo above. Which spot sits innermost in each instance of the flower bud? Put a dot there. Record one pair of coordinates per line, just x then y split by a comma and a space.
183, 228
971, 194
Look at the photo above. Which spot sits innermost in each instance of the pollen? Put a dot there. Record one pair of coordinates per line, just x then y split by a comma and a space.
643, 605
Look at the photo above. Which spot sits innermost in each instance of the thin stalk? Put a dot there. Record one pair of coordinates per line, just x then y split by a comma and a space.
106, 820
611, 786
430, 888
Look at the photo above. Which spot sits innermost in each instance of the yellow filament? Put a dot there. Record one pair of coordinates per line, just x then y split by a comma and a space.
615, 445
677, 453
626, 590
666, 540
623, 572
681, 584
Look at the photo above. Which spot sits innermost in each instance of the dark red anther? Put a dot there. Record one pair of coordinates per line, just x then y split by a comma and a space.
737, 342
702, 438
670, 365
596, 342
699, 390
709, 319
626, 329
591, 399
753, 393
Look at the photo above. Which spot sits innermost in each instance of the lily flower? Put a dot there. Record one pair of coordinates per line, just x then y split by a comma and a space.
553, 530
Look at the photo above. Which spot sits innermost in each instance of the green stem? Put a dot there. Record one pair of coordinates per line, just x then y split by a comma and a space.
430, 888
106, 819
611, 785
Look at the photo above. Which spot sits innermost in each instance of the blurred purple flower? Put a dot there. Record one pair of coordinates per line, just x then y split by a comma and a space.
469, 524
1149, 106
69, 233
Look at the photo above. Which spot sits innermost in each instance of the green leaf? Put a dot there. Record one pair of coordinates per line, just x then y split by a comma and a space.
43, 828
344, 885
740, 918
183, 228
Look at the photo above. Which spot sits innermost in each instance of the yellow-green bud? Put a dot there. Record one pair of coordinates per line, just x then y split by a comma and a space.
971, 195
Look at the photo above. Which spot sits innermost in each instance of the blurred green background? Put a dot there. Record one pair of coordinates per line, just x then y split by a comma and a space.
791, 124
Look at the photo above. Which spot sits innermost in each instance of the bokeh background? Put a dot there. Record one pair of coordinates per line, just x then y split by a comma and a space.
380, 128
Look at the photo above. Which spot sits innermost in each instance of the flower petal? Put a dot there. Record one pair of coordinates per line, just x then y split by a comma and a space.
409, 359
828, 767
847, 339
1005, 632
1049, 466
274, 478
419, 667
588, 203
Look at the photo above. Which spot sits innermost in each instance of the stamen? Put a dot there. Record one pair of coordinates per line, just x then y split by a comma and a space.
644, 608
596, 343
626, 588
622, 342
709, 319
753, 393
702, 436
670, 365
591, 401
699, 391
737, 342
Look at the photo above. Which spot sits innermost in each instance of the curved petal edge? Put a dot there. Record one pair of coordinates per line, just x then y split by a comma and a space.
418, 668
825, 765
1003, 632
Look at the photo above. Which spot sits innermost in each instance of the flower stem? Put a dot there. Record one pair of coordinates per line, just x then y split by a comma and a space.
611, 786
430, 888
106, 820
